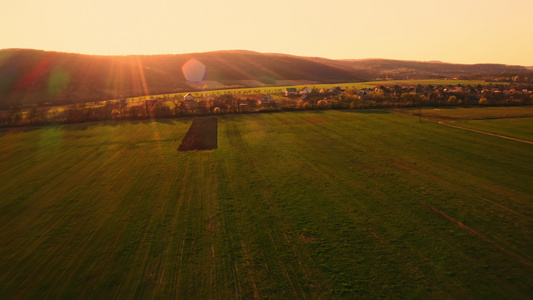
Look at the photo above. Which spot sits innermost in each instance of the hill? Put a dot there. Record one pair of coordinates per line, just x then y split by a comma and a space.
36, 76
397, 69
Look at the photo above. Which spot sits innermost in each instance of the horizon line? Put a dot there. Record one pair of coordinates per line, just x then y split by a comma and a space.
268, 53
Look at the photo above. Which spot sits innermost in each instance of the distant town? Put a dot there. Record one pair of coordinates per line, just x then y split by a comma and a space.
342, 96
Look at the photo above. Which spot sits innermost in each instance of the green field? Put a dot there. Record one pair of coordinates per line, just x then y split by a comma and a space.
471, 113
514, 121
331, 204
518, 128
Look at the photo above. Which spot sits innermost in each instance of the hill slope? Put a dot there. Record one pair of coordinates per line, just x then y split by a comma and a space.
35, 76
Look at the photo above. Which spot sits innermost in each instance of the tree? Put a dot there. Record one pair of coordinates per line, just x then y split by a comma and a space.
452, 100
528, 100
413, 98
32, 116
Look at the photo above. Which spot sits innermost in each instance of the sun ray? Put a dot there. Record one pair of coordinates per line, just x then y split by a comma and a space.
31, 77
141, 74
134, 85
111, 80
263, 67
230, 66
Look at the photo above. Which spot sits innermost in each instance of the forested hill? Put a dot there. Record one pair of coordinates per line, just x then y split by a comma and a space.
35, 76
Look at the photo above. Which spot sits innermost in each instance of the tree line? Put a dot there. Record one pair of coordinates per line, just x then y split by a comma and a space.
228, 102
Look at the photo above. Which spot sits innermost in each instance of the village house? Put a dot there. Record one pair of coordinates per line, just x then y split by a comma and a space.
189, 103
336, 90
266, 100
364, 93
151, 103
244, 105
188, 97
305, 91
291, 92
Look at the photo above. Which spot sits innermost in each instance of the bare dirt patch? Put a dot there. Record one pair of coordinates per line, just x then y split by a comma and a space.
202, 135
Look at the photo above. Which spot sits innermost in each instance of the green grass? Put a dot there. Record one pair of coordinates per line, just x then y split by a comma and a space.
291, 205
519, 128
471, 113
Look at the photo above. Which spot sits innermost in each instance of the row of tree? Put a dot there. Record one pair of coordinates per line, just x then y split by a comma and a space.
168, 107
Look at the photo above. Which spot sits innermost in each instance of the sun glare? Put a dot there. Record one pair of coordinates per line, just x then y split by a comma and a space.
193, 70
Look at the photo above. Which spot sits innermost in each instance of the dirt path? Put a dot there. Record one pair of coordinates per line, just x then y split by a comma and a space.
487, 133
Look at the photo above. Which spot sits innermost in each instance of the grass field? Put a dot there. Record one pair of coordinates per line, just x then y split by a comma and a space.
471, 113
515, 121
291, 205
519, 128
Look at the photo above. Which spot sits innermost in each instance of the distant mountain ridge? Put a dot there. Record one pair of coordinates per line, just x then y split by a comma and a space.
35, 76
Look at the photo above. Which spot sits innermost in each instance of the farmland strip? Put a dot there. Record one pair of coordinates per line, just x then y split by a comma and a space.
201, 136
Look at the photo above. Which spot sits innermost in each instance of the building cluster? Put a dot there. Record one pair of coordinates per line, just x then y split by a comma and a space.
380, 96
435, 94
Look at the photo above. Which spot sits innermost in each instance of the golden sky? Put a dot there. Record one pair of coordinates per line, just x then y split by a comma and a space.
458, 31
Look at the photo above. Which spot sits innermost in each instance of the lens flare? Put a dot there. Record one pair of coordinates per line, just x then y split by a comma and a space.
32, 76
193, 70
58, 82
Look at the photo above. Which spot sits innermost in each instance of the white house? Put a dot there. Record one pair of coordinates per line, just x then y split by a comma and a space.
188, 97
305, 91
290, 91
266, 100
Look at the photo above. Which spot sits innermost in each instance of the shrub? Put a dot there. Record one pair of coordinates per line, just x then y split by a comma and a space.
308, 105
452, 100
483, 101
322, 104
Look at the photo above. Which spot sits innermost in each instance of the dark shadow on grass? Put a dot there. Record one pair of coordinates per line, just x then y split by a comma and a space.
84, 126
166, 121
443, 107
370, 111
76, 127
14, 130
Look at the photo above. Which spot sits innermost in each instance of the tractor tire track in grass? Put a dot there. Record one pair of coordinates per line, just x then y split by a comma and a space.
487, 133
262, 243
472, 231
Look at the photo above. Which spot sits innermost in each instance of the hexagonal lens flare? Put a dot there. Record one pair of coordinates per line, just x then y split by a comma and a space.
193, 70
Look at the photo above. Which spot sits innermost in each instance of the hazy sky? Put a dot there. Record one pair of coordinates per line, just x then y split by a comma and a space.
459, 31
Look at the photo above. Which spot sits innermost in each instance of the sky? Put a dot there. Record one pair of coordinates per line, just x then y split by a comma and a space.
455, 31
